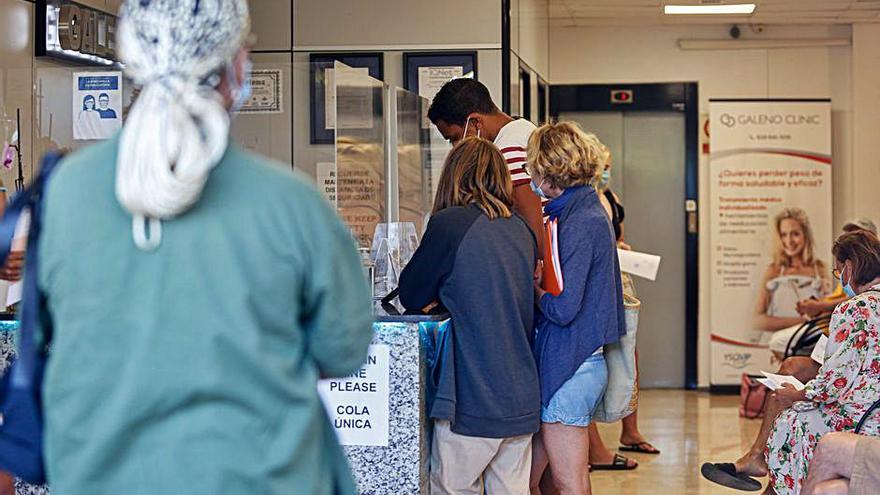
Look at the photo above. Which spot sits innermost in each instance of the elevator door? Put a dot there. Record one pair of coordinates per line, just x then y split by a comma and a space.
648, 150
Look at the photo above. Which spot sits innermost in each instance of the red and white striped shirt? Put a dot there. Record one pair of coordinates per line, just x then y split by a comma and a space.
512, 140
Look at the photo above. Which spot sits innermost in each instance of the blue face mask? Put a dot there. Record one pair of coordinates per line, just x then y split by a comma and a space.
605, 179
243, 94
537, 189
847, 288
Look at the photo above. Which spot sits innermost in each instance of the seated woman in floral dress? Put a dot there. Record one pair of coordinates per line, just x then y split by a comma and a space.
848, 382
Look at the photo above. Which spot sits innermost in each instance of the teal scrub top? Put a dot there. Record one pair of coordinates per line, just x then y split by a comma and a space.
192, 369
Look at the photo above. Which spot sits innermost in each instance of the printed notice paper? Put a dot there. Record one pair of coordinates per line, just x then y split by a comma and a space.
639, 264
358, 404
775, 382
97, 104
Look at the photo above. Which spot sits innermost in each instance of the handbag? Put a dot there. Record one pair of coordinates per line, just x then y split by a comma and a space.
21, 430
621, 395
752, 397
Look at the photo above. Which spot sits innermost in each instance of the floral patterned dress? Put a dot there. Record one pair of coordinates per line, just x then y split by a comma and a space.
847, 384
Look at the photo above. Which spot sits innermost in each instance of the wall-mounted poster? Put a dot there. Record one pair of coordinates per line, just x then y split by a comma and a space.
425, 74
771, 232
322, 114
266, 94
97, 104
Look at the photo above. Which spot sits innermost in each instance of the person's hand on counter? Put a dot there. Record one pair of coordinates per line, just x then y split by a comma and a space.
11, 270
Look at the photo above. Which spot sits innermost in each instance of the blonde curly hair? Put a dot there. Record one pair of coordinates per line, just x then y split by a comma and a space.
565, 156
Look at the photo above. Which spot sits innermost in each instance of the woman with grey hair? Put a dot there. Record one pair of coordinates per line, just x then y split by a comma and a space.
195, 292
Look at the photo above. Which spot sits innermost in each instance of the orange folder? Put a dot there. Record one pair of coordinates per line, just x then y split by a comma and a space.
552, 275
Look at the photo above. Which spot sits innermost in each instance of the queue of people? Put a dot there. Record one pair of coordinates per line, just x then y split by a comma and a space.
516, 414
529, 370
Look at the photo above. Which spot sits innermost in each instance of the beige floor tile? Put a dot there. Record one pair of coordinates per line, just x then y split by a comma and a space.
690, 428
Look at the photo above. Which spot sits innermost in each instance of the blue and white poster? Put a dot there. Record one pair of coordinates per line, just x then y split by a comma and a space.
97, 104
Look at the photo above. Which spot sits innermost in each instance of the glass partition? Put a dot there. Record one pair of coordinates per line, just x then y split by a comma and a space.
414, 198
356, 110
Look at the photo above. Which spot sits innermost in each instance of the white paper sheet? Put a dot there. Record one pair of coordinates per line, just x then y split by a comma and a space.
777, 381
639, 264
818, 354
19, 243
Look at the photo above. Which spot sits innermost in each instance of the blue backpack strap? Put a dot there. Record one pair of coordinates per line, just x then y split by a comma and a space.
30, 199
21, 435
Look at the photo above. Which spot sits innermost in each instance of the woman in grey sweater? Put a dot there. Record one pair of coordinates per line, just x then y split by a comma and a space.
575, 325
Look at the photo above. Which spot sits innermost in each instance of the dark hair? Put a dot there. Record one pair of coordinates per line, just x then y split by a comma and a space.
459, 98
103, 95
86, 99
862, 249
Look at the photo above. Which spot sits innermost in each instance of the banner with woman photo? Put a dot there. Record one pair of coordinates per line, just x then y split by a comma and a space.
771, 227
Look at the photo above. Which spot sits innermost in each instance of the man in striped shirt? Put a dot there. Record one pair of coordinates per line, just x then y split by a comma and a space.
464, 107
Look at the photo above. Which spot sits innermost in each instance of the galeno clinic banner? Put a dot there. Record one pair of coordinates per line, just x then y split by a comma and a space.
771, 232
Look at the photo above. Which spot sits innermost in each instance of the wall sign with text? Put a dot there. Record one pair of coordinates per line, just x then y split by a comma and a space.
75, 33
358, 404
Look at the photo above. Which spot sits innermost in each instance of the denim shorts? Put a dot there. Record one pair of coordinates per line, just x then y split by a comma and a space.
576, 401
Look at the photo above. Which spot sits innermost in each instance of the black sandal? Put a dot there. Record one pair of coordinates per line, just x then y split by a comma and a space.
620, 463
639, 448
725, 474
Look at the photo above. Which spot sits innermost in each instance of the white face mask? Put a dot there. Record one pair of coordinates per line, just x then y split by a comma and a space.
466, 123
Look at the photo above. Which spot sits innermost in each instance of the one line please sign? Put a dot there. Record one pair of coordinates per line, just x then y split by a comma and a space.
358, 404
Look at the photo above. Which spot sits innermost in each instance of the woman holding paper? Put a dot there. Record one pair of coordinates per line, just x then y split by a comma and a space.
631, 439
848, 381
575, 323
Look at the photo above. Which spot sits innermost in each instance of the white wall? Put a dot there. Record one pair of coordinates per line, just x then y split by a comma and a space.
530, 34
396, 22
600, 55
388, 26
16, 77
530, 44
864, 197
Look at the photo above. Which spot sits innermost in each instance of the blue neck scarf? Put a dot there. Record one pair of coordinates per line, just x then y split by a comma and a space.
554, 208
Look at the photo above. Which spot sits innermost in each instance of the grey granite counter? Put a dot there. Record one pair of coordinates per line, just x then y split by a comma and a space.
403, 466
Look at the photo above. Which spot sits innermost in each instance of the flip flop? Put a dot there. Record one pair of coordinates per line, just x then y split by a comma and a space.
639, 448
620, 463
725, 474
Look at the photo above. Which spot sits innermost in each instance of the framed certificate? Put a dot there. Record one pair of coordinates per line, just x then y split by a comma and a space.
426, 72
365, 104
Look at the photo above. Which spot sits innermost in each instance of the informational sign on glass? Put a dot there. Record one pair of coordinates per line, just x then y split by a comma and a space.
349, 98
97, 104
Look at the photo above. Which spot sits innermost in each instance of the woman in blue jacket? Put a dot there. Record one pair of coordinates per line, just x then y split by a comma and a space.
573, 327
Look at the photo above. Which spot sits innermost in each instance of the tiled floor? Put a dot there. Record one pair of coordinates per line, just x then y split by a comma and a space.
690, 428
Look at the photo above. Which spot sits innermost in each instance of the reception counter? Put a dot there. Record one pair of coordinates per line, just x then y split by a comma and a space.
399, 462
379, 413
